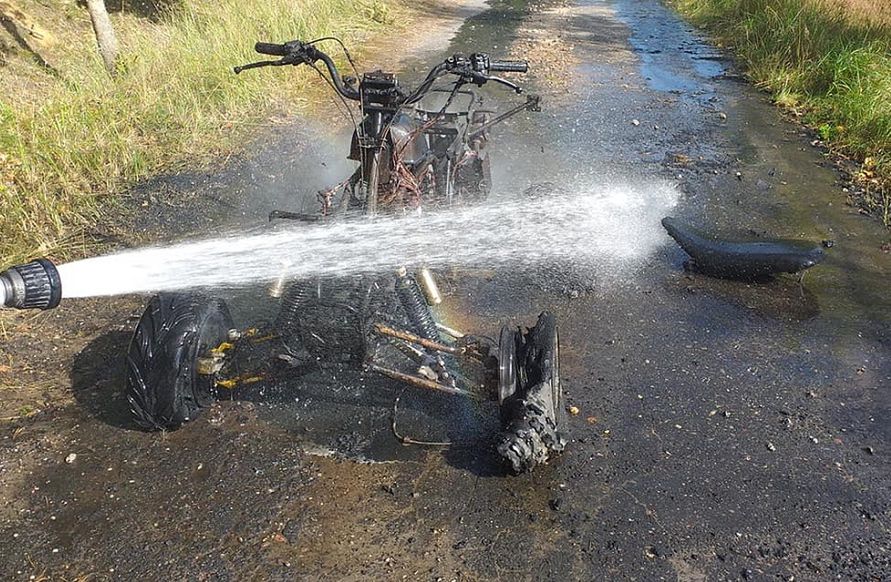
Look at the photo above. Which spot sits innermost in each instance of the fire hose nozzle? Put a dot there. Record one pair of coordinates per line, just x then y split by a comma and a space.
34, 285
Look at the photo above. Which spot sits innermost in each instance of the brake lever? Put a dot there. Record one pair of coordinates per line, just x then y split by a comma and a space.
288, 60
257, 65
516, 88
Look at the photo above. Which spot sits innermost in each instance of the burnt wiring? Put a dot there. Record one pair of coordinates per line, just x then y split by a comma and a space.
405, 178
407, 186
407, 440
325, 197
403, 187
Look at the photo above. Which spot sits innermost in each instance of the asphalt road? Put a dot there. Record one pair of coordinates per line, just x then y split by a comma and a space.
725, 430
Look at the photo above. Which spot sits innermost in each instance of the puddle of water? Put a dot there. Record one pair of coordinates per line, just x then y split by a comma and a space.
346, 413
673, 57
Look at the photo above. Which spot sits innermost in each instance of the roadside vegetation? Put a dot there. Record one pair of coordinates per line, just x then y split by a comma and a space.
826, 60
71, 135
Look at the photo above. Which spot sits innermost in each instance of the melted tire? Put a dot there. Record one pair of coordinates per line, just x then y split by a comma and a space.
533, 418
327, 320
163, 387
333, 318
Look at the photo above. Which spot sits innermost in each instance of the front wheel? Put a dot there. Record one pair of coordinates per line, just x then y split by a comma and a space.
165, 387
473, 180
533, 415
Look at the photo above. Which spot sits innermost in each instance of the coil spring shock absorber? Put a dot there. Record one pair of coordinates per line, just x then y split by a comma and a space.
297, 295
412, 299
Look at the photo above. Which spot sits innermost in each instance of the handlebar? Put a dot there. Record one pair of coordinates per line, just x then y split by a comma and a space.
269, 48
295, 53
471, 69
480, 63
509, 66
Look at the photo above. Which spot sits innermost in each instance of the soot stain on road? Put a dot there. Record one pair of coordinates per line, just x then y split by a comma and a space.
190, 504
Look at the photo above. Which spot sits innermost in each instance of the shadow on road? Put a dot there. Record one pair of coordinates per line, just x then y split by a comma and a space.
99, 378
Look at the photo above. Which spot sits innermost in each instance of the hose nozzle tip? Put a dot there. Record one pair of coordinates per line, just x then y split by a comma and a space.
34, 285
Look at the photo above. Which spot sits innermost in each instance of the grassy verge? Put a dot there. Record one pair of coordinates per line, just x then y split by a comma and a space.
77, 139
829, 60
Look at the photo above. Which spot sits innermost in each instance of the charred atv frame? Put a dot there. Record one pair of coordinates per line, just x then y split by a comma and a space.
420, 149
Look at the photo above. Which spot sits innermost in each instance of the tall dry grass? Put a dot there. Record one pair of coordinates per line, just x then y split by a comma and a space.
175, 100
874, 12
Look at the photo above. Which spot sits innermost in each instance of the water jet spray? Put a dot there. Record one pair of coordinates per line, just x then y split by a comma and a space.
34, 285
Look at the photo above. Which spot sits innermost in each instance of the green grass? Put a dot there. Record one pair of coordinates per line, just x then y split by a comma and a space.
175, 101
829, 61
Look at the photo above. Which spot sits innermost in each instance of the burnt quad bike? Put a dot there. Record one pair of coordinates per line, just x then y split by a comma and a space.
421, 148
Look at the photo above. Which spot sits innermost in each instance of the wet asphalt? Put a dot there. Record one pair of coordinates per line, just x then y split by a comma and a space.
725, 430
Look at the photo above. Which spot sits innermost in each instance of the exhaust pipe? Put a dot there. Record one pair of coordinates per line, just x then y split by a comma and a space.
34, 285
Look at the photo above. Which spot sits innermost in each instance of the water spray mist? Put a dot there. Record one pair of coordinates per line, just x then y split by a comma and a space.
611, 230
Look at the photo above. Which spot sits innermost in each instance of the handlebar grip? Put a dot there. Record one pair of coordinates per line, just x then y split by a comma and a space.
509, 66
270, 48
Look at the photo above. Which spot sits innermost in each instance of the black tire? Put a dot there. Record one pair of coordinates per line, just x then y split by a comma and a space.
164, 388
534, 417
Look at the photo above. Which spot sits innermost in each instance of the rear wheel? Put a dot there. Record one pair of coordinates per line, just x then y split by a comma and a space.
533, 416
164, 386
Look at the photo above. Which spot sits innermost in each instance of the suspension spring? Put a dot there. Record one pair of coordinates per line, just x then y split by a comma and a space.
413, 302
298, 295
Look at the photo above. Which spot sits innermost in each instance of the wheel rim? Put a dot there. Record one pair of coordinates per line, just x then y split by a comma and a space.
507, 364
558, 400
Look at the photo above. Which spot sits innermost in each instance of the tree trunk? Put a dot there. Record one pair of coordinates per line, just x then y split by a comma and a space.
108, 43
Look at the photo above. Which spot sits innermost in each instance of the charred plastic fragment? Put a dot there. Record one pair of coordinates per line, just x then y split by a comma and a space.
34, 285
743, 259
